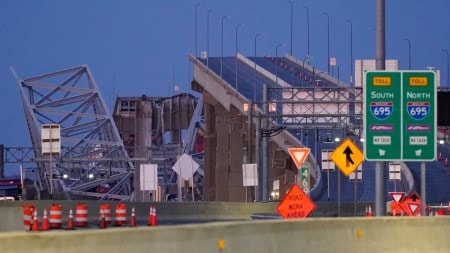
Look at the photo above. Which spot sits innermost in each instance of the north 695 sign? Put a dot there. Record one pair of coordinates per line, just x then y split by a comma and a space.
418, 110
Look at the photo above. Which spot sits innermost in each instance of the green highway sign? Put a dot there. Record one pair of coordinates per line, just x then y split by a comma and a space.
400, 116
304, 178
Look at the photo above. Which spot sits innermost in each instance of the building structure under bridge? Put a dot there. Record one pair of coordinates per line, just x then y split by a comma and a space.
159, 130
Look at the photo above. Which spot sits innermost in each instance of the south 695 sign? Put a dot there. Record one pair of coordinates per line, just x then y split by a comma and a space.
381, 110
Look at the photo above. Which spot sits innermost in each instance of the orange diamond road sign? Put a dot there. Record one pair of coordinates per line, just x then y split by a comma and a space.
299, 155
296, 204
347, 156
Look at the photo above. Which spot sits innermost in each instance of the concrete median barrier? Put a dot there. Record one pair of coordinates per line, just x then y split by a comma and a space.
384, 234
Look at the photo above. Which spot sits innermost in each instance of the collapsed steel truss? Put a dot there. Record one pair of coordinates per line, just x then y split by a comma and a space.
93, 162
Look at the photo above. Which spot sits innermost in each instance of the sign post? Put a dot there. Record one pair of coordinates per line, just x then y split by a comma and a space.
304, 178
400, 120
250, 177
50, 146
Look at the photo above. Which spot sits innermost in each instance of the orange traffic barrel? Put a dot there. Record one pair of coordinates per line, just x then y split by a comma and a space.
441, 211
121, 214
55, 217
27, 210
106, 209
81, 215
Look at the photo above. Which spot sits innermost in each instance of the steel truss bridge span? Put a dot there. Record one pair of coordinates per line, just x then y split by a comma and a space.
96, 164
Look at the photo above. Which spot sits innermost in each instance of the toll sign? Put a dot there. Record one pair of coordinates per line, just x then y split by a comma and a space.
295, 204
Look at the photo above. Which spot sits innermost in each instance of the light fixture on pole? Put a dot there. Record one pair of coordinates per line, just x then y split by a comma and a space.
221, 56
173, 82
328, 41
448, 67
351, 51
292, 21
307, 28
196, 11
409, 53
207, 36
236, 62
254, 70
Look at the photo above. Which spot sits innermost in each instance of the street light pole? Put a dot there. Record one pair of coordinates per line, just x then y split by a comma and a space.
207, 37
307, 27
254, 70
351, 52
276, 61
409, 53
236, 62
328, 40
292, 21
196, 48
221, 56
448, 68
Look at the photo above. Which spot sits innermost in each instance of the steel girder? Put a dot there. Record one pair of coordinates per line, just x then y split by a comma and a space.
93, 162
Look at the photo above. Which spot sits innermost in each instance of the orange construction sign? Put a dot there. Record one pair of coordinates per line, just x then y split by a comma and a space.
296, 204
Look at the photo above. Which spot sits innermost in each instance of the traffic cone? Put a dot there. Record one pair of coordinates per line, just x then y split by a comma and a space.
152, 221
133, 218
102, 219
394, 213
70, 225
446, 162
45, 225
448, 207
369, 211
440, 156
150, 216
35, 225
